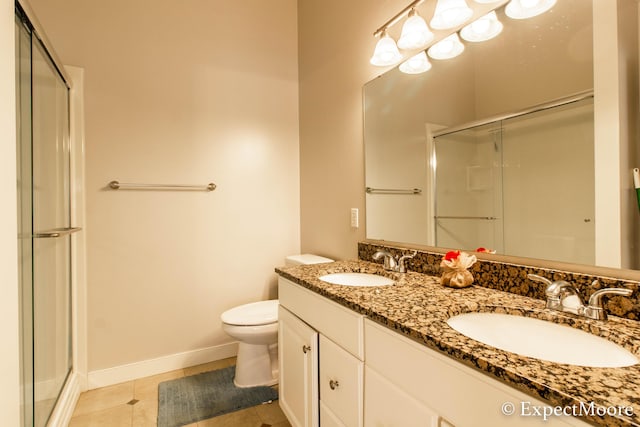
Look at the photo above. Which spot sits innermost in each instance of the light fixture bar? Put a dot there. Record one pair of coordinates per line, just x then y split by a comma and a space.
396, 18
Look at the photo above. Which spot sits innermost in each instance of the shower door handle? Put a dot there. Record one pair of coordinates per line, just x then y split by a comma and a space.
57, 232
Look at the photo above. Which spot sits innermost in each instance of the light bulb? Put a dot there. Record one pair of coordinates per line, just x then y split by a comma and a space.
524, 9
484, 28
450, 14
416, 64
415, 33
446, 48
386, 52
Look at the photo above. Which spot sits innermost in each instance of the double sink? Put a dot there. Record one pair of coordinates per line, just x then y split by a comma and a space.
523, 335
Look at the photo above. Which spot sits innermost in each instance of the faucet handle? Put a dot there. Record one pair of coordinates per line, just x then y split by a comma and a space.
554, 289
390, 262
402, 267
540, 279
595, 310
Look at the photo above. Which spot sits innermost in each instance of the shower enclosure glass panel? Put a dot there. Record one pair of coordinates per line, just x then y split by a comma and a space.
493, 182
25, 249
549, 167
469, 208
51, 213
45, 241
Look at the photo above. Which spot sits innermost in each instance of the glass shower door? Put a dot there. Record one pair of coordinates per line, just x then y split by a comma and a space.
44, 226
51, 226
24, 190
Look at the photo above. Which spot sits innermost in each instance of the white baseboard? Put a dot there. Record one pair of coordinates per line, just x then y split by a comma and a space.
145, 368
63, 411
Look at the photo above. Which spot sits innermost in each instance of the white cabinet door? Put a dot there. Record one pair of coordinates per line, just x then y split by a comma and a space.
340, 383
328, 418
386, 405
298, 360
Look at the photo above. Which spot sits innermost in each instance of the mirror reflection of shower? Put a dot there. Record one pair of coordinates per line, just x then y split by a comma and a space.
496, 183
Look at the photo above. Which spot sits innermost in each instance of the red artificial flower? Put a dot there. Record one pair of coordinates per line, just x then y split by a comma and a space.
451, 255
485, 250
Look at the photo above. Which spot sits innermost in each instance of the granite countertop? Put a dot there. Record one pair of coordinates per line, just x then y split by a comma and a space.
418, 307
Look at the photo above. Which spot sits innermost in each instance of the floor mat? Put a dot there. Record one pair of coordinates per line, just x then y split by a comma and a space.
198, 397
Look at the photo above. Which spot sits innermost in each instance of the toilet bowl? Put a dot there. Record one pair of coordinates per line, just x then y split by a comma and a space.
255, 327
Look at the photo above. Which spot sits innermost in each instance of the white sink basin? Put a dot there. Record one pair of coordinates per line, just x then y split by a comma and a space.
542, 340
356, 279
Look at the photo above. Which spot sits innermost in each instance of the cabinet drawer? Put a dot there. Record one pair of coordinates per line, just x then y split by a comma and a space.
341, 325
340, 383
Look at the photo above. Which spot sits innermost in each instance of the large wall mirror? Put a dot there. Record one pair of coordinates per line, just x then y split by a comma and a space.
498, 147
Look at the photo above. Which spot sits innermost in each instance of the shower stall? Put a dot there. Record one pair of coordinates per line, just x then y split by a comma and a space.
522, 185
45, 231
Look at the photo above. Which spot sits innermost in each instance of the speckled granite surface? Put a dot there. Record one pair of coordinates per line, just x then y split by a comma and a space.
513, 278
417, 306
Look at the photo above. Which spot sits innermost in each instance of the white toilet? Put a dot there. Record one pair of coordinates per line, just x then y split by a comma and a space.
255, 326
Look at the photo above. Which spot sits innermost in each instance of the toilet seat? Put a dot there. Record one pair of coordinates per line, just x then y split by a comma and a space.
252, 314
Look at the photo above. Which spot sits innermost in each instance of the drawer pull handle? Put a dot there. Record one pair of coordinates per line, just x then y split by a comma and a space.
306, 348
333, 384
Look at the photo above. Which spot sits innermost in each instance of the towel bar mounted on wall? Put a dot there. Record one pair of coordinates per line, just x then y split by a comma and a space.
392, 191
117, 185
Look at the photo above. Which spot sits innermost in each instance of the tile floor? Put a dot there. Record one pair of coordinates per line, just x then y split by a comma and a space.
135, 404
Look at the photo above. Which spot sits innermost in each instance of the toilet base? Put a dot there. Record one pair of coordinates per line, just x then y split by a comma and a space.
256, 365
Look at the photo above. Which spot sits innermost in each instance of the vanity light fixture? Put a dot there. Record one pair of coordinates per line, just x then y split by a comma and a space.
415, 32
416, 64
386, 52
447, 48
450, 14
482, 29
524, 9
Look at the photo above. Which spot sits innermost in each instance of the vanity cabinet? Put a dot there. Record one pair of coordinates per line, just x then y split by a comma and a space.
338, 369
324, 385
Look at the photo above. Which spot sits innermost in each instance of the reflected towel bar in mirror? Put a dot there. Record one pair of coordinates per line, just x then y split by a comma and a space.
392, 191
486, 218
116, 185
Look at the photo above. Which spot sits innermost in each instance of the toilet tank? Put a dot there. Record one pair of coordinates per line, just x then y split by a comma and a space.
304, 259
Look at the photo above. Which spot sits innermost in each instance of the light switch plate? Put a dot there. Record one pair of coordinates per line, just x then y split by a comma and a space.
355, 220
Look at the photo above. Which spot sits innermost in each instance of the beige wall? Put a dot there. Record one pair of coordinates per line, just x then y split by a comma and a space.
10, 359
335, 44
182, 92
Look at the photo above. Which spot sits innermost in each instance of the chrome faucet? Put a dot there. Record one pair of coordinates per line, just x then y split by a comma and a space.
392, 263
563, 296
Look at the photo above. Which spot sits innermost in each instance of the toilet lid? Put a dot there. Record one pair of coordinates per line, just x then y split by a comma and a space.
253, 314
